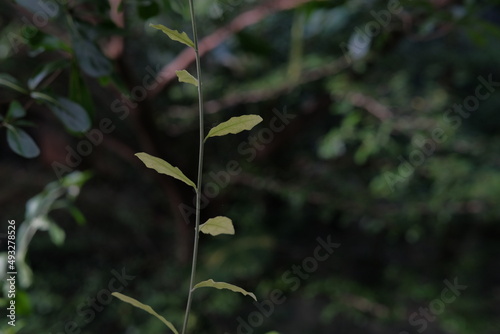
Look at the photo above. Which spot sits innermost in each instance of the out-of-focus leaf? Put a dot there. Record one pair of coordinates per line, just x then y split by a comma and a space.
43, 42
39, 205
74, 181
16, 110
332, 145
23, 122
178, 6
359, 45
11, 82
21, 143
56, 195
42, 97
57, 234
90, 58
71, 114
25, 274
77, 215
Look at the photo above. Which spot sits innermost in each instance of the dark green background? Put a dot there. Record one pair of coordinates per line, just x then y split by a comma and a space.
335, 170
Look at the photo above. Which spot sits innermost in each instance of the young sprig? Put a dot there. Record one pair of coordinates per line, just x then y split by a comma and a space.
214, 226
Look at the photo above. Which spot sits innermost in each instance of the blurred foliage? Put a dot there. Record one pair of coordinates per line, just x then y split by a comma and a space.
379, 155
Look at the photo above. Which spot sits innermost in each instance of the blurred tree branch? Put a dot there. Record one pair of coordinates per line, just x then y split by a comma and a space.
253, 16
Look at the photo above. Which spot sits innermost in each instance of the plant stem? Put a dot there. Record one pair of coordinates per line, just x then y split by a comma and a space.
200, 168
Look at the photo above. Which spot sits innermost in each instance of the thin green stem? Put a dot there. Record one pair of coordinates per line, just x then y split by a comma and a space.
200, 168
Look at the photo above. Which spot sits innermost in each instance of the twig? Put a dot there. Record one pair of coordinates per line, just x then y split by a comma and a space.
200, 166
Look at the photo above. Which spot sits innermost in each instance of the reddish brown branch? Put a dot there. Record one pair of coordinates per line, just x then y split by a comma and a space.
260, 95
370, 104
186, 57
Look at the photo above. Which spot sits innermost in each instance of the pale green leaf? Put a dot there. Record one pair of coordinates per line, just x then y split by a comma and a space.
221, 285
185, 76
235, 125
218, 225
163, 167
174, 35
146, 308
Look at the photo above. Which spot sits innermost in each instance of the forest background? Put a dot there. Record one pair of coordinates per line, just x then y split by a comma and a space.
365, 202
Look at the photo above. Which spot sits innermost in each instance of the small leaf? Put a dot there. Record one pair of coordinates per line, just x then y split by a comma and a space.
221, 285
76, 214
25, 274
57, 234
174, 35
74, 181
217, 225
185, 76
21, 143
23, 122
16, 110
11, 82
163, 167
90, 58
146, 308
359, 44
235, 125
71, 114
